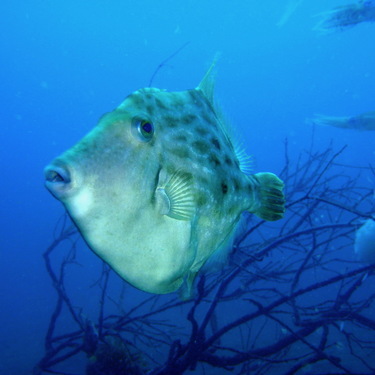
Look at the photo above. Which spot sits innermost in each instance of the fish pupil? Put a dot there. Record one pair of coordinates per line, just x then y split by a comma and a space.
147, 127
142, 129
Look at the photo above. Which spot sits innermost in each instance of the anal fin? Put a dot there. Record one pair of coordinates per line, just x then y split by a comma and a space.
186, 291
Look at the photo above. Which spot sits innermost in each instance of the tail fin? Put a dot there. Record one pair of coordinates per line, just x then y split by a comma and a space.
270, 193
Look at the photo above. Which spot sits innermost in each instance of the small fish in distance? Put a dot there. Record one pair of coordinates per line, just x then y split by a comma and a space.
346, 16
364, 121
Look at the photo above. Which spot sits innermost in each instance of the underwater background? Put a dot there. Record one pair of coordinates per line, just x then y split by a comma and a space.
65, 63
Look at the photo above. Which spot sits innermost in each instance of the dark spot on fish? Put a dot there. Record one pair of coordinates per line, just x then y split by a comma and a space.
202, 200
216, 143
228, 161
170, 121
160, 104
150, 109
201, 147
188, 119
137, 100
201, 131
148, 96
224, 187
236, 184
214, 160
180, 138
181, 152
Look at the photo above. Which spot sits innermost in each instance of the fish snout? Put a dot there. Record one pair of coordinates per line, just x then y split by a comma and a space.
58, 180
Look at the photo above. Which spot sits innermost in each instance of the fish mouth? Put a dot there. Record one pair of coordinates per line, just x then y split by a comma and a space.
58, 180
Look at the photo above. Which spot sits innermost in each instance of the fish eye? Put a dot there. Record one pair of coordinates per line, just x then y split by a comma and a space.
143, 129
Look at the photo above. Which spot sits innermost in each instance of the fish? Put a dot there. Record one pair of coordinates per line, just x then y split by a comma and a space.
346, 16
363, 121
158, 187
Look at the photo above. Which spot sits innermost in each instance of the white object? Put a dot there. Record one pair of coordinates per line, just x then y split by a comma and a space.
364, 245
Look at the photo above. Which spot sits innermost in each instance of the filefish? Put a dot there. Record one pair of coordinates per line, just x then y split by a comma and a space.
364, 121
346, 16
157, 187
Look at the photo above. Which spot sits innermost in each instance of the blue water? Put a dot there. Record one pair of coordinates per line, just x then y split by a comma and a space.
65, 63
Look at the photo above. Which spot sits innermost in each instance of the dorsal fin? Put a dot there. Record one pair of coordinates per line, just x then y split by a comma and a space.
206, 87
208, 82
245, 161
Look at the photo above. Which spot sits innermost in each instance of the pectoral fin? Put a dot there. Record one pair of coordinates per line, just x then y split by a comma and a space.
175, 199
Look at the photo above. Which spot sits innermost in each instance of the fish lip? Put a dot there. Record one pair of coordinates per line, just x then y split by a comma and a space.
55, 174
58, 180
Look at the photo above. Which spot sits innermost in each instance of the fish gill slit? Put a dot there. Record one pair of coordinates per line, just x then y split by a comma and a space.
156, 183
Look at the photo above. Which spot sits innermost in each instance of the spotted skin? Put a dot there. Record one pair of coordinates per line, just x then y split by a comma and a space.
190, 123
